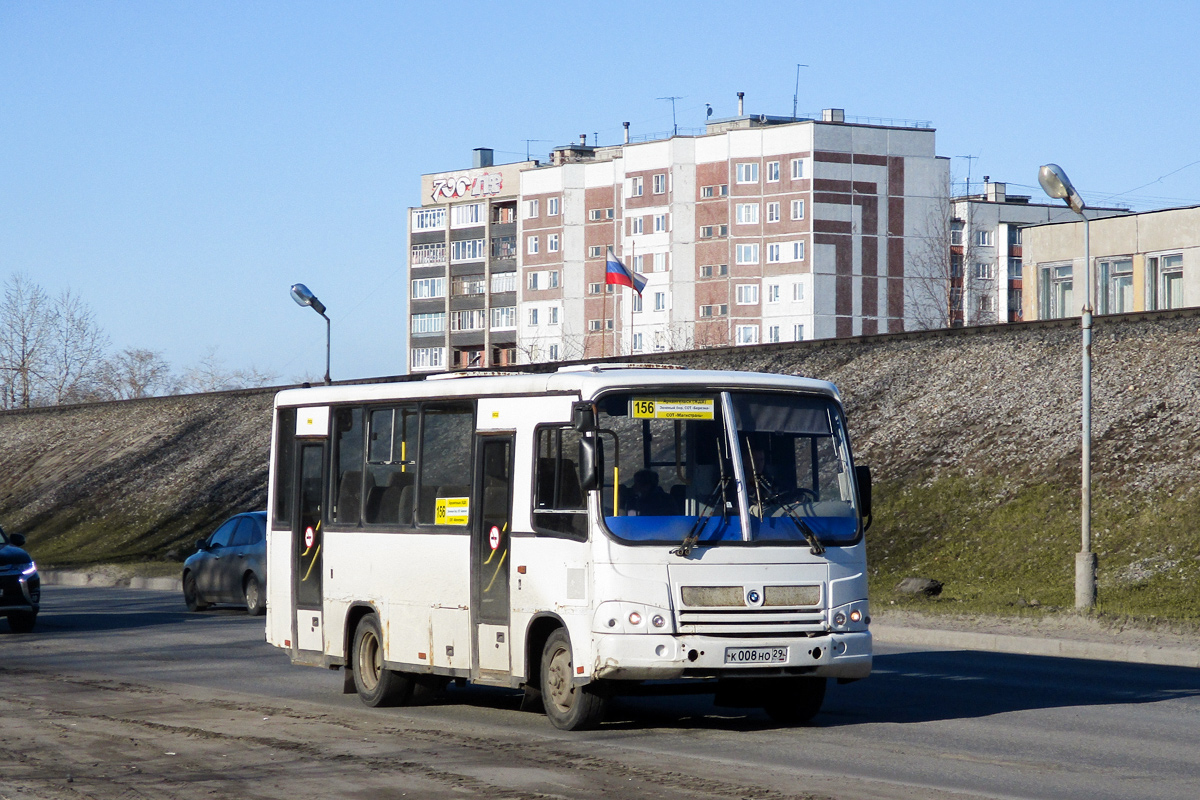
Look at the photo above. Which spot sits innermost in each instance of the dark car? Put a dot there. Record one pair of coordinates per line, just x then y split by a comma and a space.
230, 566
20, 586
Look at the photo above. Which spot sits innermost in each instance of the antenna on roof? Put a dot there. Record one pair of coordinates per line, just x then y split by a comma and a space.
796, 96
674, 125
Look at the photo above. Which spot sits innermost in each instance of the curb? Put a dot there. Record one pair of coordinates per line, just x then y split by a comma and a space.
62, 578
1166, 656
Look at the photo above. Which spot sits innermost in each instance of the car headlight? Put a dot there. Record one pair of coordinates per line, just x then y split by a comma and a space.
30, 569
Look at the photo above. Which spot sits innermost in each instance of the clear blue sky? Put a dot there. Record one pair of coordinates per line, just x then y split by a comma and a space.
182, 164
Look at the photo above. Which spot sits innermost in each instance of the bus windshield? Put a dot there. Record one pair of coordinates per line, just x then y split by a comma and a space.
670, 468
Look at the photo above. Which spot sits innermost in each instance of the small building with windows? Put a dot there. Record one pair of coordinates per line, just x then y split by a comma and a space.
1141, 262
987, 283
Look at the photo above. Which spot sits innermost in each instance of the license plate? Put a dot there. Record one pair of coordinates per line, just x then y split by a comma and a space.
756, 655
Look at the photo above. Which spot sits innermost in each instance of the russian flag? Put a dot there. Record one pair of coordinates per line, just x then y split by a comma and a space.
617, 273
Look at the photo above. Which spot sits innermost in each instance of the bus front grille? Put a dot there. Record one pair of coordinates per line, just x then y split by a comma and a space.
751, 621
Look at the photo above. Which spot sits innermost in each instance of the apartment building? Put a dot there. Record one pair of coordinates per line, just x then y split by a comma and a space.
1140, 262
986, 272
462, 250
759, 229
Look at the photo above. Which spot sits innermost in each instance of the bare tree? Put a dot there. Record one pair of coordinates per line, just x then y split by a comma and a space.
930, 277
75, 356
25, 335
135, 373
209, 374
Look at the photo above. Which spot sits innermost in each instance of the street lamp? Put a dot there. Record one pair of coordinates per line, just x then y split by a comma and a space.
1056, 184
304, 297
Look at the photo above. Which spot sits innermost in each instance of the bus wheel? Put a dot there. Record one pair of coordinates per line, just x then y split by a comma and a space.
569, 707
256, 604
795, 700
375, 684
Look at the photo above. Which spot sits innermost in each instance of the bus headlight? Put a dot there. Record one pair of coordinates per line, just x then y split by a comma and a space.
658, 621
617, 617
849, 617
635, 618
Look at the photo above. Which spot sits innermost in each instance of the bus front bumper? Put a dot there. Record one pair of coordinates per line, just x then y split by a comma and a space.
650, 657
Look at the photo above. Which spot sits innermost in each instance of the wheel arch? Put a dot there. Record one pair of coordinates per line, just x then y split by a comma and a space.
354, 615
539, 630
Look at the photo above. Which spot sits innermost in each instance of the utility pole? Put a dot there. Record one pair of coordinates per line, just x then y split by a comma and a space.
674, 126
796, 96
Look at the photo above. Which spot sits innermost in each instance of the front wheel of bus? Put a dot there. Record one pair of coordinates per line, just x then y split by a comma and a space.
795, 700
376, 685
569, 707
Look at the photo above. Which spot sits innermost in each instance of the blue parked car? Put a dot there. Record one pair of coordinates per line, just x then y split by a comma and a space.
230, 566
20, 585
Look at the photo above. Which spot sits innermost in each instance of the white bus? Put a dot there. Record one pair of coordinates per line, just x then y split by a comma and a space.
574, 534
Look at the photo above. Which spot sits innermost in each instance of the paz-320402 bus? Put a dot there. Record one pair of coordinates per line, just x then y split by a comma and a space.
573, 534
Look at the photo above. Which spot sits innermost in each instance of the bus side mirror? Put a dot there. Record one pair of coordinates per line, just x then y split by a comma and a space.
589, 463
862, 476
583, 417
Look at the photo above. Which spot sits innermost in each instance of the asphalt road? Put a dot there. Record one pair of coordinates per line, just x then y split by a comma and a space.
926, 724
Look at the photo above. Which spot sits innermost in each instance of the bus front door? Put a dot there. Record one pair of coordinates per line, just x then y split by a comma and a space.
490, 561
306, 549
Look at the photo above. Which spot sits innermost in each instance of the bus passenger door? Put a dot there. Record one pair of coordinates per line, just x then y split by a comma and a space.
307, 536
490, 561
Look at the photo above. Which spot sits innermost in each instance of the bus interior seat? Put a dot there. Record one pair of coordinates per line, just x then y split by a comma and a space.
390, 502
679, 497
349, 496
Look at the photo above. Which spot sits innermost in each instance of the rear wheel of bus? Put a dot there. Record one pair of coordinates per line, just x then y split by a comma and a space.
376, 685
570, 707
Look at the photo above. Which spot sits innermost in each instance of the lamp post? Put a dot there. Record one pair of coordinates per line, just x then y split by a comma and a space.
304, 297
1056, 184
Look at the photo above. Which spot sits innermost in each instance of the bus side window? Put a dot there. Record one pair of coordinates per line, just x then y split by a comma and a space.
391, 471
347, 491
285, 452
560, 506
445, 464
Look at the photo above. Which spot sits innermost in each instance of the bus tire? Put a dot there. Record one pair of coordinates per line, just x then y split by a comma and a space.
376, 685
256, 604
570, 707
794, 701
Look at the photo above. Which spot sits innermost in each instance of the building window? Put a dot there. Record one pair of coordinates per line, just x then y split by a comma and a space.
427, 357
1164, 282
956, 232
472, 320
1014, 267
1014, 235
637, 302
552, 207
797, 209
468, 285
956, 265
596, 288
797, 292
637, 264
747, 334
773, 334
714, 310
554, 352
425, 288
467, 215
747, 254
747, 172
797, 251
429, 323
710, 231
773, 294
773, 251
598, 214
660, 301
635, 189
504, 247
722, 269
425, 254
429, 219
797, 168
985, 238
986, 304
714, 191
772, 172
660, 262
533, 316
637, 343
553, 315
660, 223
553, 276
983, 271
504, 282
534, 281
772, 212
466, 250
660, 183
706, 271
1115, 286
531, 245
531, 209
797, 333
747, 213
635, 225
1014, 304
1056, 290
552, 243
596, 251
747, 294
504, 318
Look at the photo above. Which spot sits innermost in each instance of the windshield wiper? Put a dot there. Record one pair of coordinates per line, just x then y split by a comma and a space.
689, 542
764, 487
